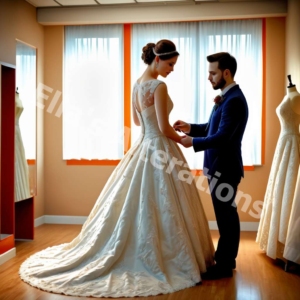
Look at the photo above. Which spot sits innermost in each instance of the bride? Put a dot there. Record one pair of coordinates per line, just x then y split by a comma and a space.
147, 233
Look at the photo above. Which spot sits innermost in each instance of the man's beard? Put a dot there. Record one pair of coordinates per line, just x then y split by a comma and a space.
220, 84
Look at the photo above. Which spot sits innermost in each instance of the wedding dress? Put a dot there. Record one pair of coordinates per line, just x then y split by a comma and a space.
273, 230
147, 233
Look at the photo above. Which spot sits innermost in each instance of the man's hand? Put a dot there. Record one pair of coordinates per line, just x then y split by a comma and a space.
186, 141
182, 126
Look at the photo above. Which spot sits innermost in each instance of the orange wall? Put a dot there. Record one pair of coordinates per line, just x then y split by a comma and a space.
18, 21
73, 190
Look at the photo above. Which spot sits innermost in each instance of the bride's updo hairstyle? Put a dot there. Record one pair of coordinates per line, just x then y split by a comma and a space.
164, 49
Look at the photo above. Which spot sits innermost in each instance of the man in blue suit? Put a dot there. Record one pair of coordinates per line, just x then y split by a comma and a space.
220, 139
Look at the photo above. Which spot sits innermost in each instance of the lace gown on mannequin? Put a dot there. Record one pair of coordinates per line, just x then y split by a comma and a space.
147, 232
22, 189
278, 202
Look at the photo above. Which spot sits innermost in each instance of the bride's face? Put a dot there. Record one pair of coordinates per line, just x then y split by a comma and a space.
165, 67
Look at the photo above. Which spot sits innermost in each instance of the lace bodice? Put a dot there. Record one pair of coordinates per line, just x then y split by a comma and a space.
289, 120
143, 100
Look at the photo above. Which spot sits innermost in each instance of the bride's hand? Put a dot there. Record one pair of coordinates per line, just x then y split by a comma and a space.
186, 141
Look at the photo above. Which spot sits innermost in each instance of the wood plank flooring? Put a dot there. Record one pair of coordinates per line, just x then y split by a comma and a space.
256, 276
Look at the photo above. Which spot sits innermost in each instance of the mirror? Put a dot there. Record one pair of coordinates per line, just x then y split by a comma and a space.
25, 121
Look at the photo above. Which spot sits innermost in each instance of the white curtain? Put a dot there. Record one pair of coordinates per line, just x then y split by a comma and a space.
93, 107
188, 85
26, 84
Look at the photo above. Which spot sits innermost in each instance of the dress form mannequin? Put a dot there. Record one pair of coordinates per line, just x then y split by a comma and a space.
294, 96
279, 202
22, 189
292, 247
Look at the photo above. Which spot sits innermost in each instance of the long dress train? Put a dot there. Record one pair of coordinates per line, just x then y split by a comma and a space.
147, 233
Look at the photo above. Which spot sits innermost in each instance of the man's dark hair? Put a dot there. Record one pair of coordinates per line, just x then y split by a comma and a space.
225, 60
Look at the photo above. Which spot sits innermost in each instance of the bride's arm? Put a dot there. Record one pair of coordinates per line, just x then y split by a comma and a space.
134, 114
161, 107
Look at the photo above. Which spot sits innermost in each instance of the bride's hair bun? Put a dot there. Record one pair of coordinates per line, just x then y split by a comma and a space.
148, 55
165, 49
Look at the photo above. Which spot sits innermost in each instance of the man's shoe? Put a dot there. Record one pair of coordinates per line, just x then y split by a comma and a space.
233, 265
217, 272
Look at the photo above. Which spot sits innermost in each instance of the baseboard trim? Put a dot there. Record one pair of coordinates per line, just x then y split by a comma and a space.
39, 221
75, 220
79, 220
245, 226
7, 255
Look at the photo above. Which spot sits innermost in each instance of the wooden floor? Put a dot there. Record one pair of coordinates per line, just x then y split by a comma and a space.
256, 275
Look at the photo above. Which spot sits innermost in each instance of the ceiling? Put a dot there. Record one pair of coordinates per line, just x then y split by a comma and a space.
68, 3
98, 3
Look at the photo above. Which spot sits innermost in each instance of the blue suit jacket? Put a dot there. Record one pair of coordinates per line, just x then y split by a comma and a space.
221, 138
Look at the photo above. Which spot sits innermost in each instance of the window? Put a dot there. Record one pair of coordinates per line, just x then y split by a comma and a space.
93, 92
93, 104
188, 85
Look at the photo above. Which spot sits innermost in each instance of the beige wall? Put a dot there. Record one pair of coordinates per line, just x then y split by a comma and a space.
72, 190
18, 21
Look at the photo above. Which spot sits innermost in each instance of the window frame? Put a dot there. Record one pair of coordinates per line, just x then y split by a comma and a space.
127, 104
